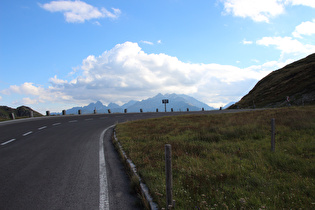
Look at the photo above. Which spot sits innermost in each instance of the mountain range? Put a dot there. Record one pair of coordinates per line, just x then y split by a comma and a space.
177, 102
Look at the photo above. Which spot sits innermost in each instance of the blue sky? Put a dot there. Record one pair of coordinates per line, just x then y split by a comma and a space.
59, 54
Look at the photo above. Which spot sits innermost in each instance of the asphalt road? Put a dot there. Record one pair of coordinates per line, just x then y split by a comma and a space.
65, 162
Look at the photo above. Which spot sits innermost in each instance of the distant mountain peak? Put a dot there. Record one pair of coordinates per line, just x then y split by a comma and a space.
179, 102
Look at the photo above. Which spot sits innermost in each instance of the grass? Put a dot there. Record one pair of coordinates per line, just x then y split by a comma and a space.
224, 161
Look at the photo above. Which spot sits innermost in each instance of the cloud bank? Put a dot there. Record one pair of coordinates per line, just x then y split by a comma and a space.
126, 72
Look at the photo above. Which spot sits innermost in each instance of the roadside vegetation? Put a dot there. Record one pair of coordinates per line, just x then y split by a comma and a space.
224, 161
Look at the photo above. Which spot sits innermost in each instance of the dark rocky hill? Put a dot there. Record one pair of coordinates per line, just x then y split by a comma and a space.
295, 81
19, 112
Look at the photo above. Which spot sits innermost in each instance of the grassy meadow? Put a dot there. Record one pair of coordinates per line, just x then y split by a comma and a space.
224, 161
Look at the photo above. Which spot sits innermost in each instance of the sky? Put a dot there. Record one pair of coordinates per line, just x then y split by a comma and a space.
58, 54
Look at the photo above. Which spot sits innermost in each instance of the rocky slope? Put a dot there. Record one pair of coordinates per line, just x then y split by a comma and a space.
19, 112
293, 84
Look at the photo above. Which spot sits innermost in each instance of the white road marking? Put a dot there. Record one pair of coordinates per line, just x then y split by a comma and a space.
41, 128
56, 124
104, 199
7, 142
89, 119
72, 121
28, 133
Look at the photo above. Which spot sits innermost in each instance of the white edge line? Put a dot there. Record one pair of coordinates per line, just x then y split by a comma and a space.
56, 124
28, 133
104, 199
7, 142
41, 128
72, 121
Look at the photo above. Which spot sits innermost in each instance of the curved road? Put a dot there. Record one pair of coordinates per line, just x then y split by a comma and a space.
65, 162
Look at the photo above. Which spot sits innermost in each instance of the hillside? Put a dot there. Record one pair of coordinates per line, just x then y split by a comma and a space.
19, 112
296, 80
225, 161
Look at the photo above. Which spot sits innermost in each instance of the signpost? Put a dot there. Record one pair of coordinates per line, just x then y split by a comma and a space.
165, 101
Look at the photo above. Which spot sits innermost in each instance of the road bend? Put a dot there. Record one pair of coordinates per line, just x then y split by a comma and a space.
65, 162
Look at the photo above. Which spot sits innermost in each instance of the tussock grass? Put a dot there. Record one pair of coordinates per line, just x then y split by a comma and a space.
224, 161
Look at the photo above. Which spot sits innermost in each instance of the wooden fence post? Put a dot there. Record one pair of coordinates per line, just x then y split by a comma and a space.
273, 133
168, 173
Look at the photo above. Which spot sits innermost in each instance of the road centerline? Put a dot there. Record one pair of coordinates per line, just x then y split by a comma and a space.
7, 142
28, 133
41, 128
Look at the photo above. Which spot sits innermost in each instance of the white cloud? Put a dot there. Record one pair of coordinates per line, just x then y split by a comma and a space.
147, 42
79, 11
261, 10
247, 42
26, 88
258, 10
287, 45
305, 28
309, 3
57, 81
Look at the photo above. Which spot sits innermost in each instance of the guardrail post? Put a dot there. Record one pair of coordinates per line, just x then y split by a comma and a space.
109, 111
32, 114
79, 112
63, 112
125, 110
141, 110
168, 173
12, 116
203, 109
47, 113
157, 110
95, 111
187, 109
273, 134
172, 110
